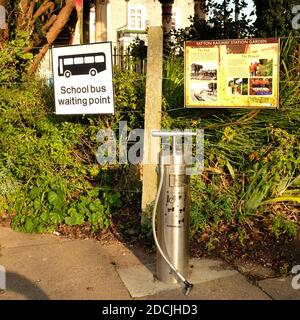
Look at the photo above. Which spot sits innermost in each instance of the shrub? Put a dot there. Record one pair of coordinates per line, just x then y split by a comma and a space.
14, 62
252, 160
48, 163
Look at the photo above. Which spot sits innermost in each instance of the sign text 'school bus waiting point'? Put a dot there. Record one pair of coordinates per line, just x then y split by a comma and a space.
79, 64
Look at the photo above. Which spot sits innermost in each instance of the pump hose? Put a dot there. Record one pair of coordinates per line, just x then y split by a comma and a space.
187, 285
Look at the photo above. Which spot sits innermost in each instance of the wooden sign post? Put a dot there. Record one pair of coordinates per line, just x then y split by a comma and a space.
153, 110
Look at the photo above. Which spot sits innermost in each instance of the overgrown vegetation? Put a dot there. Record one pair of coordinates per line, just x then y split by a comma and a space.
48, 164
247, 198
274, 18
14, 61
249, 193
38, 23
222, 22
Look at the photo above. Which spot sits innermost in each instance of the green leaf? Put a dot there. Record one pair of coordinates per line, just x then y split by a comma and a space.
56, 199
71, 221
44, 216
40, 228
75, 217
230, 169
72, 211
282, 199
27, 56
29, 225
34, 193
99, 219
37, 203
55, 217
296, 181
94, 192
52, 198
82, 208
96, 206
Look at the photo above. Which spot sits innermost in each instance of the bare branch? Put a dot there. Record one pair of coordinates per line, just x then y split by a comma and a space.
41, 10
49, 23
59, 23
61, 20
23, 5
31, 10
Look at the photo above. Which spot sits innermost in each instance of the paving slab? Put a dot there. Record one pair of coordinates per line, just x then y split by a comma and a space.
58, 269
10, 238
124, 256
202, 271
234, 287
280, 288
55, 267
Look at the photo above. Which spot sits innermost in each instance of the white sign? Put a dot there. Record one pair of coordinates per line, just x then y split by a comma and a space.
83, 79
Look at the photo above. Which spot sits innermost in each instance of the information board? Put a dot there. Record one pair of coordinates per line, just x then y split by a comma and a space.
232, 73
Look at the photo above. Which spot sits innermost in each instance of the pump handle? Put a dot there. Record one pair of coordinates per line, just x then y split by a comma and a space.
173, 134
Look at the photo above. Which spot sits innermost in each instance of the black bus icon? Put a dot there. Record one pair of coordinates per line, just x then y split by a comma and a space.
80, 64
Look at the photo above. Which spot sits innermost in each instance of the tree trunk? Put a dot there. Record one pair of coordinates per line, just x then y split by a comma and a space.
53, 32
167, 14
236, 10
237, 17
225, 20
199, 11
86, 22
79, 9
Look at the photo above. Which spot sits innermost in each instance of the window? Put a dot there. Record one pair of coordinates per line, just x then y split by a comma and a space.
78, 60
136, 18
68, 61
99, 59
89, 59
175, 18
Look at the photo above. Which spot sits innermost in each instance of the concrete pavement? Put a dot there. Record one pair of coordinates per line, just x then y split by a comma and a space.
54, 267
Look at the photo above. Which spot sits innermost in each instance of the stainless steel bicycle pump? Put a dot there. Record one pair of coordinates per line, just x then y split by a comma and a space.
172, 205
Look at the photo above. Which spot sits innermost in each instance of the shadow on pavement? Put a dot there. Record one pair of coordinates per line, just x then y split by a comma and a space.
23, 286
